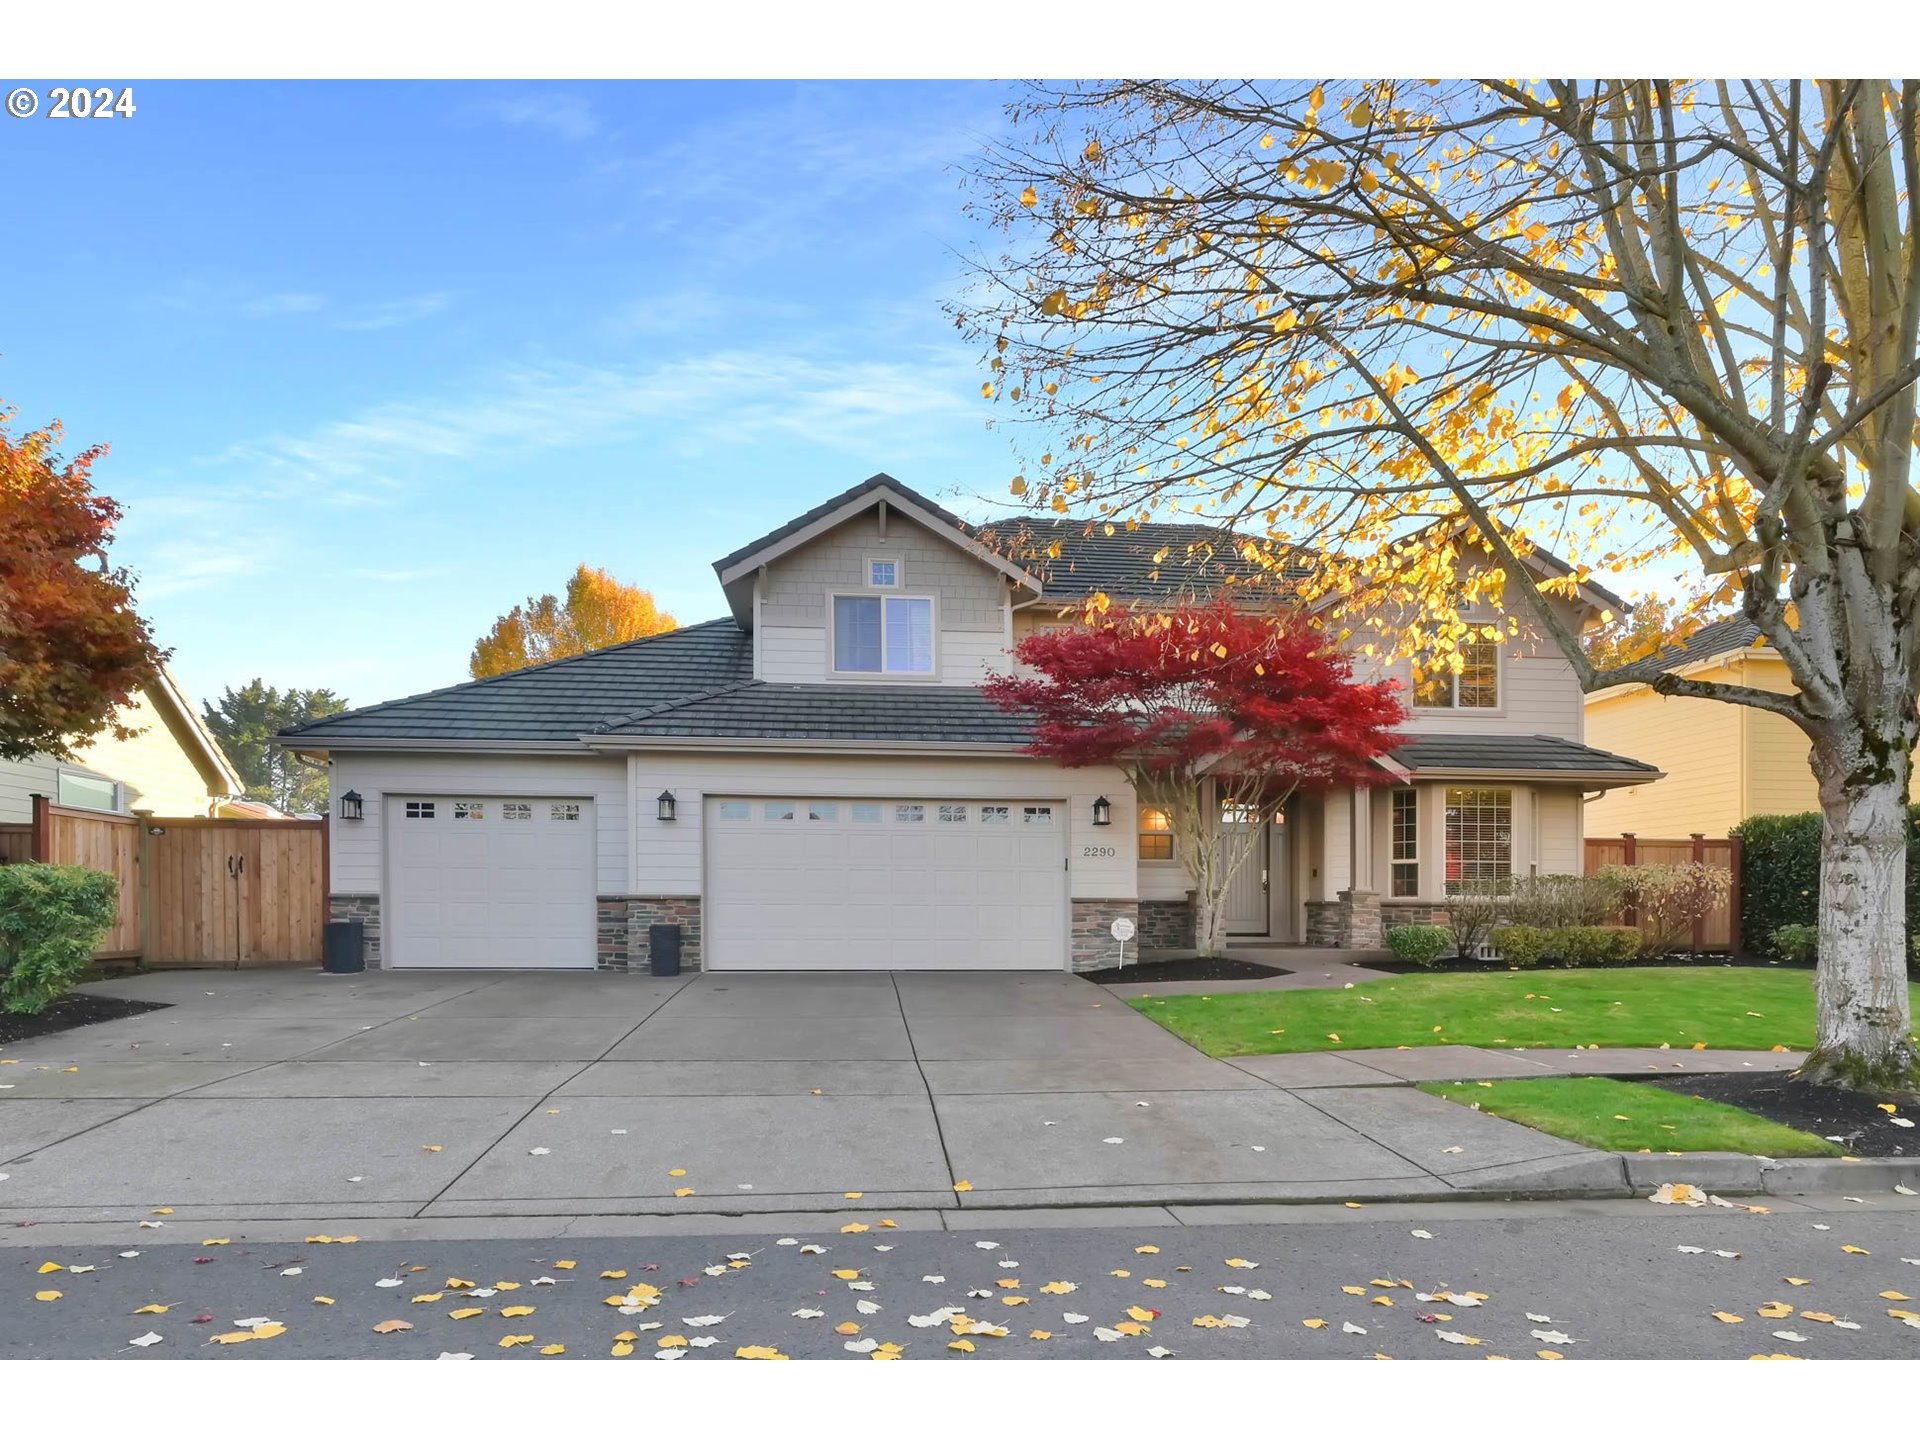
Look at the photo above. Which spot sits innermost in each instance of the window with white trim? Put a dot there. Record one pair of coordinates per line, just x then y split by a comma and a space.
864, 814
1479, 837
735, 810
469, 810
90, 792
777, 810
883, 574
824, 811
909, 814
1156, 834
996, 814
1037, 815
568, 811
1475, 686
883, 635
1403, 843
419, 809
516, 810
953, 814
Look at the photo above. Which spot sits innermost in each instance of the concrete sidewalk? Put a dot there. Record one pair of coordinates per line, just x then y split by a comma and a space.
296, 1095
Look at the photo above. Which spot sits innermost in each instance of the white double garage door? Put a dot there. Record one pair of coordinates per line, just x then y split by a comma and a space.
790, 884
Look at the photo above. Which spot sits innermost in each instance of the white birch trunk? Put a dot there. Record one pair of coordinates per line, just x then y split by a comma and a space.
1865, 1022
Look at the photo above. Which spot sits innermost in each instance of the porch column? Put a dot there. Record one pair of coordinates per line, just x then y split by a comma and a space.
1361, 836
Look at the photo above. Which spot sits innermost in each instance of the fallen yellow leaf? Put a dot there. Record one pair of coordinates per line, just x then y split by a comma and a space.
553, 1349
507, 1342
758, 1352
513, 1312
47, 1295
466, 1314
622, 1347
51, 1266
162, 1309
1315, 1324
963, 1186
387, 1327
1727, 1318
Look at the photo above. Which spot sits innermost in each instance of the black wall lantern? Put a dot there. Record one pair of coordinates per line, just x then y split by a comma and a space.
1102, 811
667, 804
351, 806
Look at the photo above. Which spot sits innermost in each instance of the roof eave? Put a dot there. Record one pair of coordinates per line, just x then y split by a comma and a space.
1587, 779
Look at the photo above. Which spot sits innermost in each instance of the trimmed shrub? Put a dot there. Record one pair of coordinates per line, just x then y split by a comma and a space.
1420, 944
1796, 944
1474, 907
1780, 872
1597, 944
1552, 902
1522, 945
51, 919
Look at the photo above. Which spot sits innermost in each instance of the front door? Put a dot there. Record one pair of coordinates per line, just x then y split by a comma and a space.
1246, 900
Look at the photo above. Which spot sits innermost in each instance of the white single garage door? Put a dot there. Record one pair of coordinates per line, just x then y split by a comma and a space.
499, 883
885, 885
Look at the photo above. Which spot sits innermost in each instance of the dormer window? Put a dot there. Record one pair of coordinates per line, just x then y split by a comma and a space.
883, 574
876, 635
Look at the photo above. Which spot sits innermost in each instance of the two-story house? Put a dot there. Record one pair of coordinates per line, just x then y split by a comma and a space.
815, 781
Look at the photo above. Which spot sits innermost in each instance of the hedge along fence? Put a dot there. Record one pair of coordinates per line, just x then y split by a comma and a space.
1780, 873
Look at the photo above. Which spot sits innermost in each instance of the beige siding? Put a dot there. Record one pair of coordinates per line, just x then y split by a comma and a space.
668, 854
358, 846
795, 600
1696, 742
160, 775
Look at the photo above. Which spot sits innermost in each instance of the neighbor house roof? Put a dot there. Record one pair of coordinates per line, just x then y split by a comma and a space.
1721, 637
558, 701
1515, 755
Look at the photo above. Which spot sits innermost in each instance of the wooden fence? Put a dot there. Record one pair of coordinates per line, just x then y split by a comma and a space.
193, 891
1719, 929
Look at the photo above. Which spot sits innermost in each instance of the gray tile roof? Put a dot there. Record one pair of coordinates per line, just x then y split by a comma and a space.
944, 713
556, 701
1512, 752
1148, 562
1717, 638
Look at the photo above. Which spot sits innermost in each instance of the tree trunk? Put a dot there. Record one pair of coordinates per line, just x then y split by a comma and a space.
1865, 1023
1209, 923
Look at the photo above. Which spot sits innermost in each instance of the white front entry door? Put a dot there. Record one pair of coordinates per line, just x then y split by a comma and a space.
492, 883
1245, 902
797, 884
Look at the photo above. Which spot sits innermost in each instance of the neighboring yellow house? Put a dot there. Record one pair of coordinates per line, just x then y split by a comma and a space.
172, 766
1722, 762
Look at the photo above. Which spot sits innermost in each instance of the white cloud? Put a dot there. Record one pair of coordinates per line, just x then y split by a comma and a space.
385, 314
727, 396
266, 307
568, 116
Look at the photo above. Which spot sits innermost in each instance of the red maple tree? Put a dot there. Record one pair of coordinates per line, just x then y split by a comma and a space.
1216, 716
72, 650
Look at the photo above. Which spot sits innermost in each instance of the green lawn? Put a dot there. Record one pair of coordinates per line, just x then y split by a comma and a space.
1620, 1115
1743, 1009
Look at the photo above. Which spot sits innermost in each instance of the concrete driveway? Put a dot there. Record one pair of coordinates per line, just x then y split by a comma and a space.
297, 1095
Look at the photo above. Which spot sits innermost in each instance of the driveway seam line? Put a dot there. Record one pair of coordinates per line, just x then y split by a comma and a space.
620, 1039
926, 1085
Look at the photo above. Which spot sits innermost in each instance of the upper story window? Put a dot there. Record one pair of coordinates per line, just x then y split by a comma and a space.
1156, 835
883, 635
1475, 686
90, 792
883, 574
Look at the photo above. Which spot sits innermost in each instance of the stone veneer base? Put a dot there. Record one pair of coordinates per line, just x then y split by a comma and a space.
1093, 946
621, 932
1166, 924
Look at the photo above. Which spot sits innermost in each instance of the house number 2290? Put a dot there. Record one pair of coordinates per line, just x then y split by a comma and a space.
1098, 852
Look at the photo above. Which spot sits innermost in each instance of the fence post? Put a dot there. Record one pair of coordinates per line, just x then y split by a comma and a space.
142, 849
1630, 915
1736, 846
42, 841
1699, 921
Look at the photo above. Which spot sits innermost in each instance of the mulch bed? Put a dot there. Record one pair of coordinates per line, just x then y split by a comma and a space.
70, 1012
1162, 972
1850, 1117
1645, 962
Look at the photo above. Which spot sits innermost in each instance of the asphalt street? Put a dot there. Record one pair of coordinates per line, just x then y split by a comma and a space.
1541, 1282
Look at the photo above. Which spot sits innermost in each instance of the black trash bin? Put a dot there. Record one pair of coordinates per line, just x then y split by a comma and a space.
345, 948
663, 949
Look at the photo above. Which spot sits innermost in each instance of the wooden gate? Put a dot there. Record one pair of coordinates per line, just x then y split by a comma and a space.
235, 892
193, 891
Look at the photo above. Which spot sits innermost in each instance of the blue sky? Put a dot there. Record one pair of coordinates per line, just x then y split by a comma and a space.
378, 360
